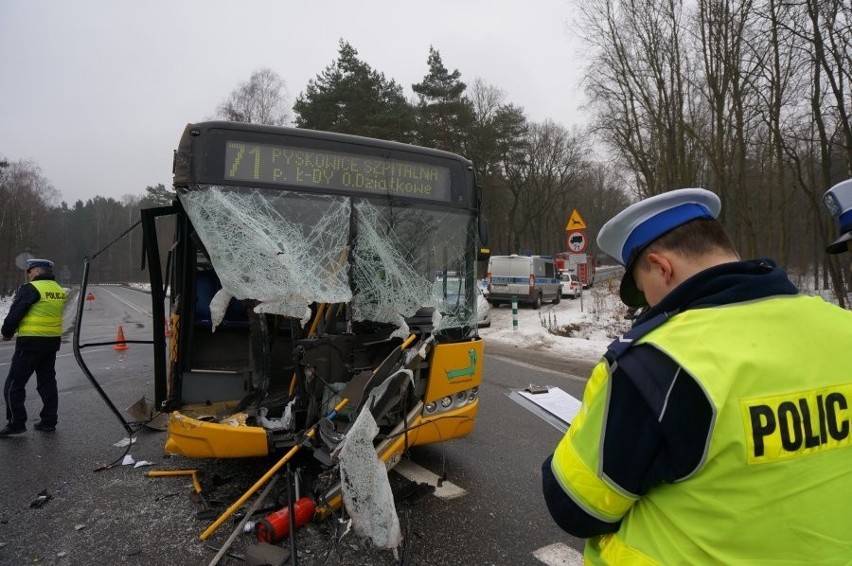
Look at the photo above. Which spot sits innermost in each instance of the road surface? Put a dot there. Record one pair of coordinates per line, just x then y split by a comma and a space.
495, 514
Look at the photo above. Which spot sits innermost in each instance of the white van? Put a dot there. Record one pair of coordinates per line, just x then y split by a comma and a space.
532, 279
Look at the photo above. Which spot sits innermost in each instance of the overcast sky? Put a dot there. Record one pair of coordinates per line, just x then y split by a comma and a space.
97, 92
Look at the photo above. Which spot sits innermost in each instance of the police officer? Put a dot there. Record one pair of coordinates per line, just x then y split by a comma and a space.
36, 315
717, 430
838, 200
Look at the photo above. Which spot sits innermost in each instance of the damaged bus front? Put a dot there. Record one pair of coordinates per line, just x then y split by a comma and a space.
303, 269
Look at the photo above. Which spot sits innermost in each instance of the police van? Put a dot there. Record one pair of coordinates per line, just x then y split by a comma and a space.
532, 279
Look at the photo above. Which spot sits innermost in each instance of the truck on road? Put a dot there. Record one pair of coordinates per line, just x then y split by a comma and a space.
583, 265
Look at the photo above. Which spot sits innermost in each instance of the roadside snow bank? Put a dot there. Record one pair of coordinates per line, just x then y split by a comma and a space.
576, 328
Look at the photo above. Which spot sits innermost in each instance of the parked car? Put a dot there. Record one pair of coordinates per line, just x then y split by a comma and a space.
483, 309
571, 285
483, 286
452, 299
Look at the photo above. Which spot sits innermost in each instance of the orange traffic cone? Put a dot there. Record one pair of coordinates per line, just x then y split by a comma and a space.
120, 343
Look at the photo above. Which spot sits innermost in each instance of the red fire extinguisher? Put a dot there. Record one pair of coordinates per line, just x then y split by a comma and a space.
276, 525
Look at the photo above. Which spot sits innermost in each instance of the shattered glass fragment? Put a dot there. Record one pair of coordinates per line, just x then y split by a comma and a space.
283, 249
218, 306
366, 490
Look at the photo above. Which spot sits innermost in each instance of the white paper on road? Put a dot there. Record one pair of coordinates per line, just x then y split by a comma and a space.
556, 403
128, 460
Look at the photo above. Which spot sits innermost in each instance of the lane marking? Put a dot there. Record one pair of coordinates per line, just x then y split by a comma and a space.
64, 355
86, 351
569, 376
559, 554
128, 303
412, 472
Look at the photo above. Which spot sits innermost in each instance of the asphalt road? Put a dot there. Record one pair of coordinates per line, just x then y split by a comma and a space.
120, 516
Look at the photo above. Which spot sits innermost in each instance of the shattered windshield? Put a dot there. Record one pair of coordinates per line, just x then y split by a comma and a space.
286, 250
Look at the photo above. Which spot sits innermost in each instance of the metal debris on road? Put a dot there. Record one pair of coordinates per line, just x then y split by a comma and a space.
42, 498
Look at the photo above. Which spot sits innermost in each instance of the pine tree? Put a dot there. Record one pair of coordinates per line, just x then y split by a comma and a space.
350, 97
444, 114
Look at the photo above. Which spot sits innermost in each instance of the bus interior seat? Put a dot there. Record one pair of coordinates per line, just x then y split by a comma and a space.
227, 346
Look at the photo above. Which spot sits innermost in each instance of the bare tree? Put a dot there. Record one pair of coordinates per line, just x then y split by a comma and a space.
601, 194
260, 100
544, 180
26, 196
750, 98
819, 143
498, 130
738, 125
637, 79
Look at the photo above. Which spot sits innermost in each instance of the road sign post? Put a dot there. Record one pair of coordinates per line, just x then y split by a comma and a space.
514, 312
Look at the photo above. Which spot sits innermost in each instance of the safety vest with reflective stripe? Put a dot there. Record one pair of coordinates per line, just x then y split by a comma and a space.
44, 318
774, 484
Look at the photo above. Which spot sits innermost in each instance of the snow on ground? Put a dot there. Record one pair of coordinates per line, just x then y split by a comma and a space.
144, 287
5, 303
579, 328
584, 328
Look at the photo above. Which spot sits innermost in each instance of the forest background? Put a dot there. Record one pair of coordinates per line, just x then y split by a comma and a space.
750, 99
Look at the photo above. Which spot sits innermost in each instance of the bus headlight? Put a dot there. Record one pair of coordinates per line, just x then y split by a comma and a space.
451, 402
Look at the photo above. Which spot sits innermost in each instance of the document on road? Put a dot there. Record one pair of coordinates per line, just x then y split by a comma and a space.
554, 406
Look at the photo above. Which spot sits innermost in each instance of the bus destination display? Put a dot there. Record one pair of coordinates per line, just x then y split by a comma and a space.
284, 165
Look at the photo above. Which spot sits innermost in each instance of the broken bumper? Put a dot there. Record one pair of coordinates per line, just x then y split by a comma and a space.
194, 438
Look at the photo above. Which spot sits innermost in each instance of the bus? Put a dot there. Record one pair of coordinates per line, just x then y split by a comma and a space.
305, 264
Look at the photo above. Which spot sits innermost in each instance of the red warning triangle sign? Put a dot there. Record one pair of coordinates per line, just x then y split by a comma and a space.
575, 222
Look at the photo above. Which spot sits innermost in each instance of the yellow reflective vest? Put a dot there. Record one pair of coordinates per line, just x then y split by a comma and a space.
44, 318
774, 484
